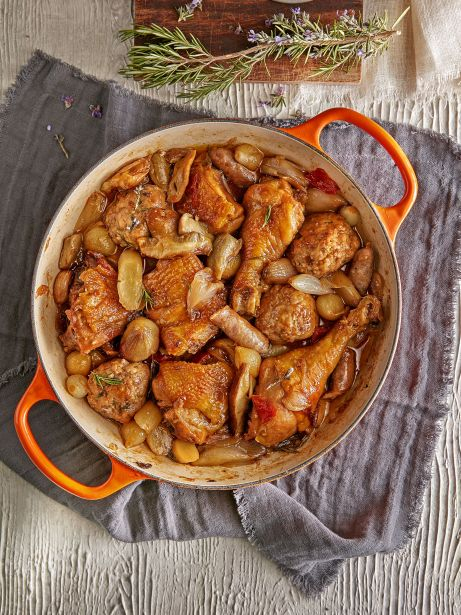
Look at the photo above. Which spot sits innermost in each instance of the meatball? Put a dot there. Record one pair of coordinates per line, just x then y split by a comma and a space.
287, 315
118, 389
125, 217
325, 244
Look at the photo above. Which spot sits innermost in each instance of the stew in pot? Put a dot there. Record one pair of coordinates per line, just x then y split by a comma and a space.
212, 300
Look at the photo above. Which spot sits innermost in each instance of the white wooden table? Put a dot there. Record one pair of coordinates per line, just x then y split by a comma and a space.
54, 561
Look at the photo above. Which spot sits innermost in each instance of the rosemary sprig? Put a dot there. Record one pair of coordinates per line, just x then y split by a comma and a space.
102, 379
147, 298
170, 56
286, 376
267, 217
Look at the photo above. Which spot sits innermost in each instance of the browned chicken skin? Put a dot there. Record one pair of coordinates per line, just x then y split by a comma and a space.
286, 315
207, 198
125, 217
291, 384
195, 395
168, 286
326, 243
273, 217
122, 399
96, 316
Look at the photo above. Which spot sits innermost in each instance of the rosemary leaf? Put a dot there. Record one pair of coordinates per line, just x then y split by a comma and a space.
267, 217
102, 379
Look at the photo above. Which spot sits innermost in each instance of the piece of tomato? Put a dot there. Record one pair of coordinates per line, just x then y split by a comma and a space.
318, 178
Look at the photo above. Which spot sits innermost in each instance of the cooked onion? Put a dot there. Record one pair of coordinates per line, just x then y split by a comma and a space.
279, 271
224, 454
249, 357
311, 285
344, 288
202, 290
316, 200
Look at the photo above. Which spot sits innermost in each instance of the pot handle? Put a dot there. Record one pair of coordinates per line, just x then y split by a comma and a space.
391, 217
40, 389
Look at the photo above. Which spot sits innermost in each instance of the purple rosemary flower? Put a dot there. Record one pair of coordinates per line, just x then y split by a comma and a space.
68, 101
195, 4
296, 10
96, 111
252, 36
281, 40
269, 22
360, 53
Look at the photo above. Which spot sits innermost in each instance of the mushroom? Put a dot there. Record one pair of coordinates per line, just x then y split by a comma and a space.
240, 330
239, 399
225, 258
180, 178
188, 224
279, 166
240, 175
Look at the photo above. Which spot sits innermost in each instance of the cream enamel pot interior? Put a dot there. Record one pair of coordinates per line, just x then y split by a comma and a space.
379, 225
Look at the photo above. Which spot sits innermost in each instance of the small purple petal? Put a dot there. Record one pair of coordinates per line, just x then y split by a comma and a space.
269, 22
296, 10
68, 101
96, 111
252, 37
360, 53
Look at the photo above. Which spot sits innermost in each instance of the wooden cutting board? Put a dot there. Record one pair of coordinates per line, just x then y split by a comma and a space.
215, 27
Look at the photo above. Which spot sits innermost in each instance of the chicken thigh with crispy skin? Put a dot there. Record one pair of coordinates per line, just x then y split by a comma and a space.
273, 217
125, 217
291, 384
195, 396
120, 390
168, 285
96, 315
208, 198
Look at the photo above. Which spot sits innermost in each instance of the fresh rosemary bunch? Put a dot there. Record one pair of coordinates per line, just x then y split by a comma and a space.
171, 56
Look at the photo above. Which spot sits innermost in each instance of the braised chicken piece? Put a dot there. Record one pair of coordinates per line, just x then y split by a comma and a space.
273, 217
165, 242
326, 243
287, 315
291, 384
195, 397
125, 217
96, 316
208, 198
118, 389
168, 286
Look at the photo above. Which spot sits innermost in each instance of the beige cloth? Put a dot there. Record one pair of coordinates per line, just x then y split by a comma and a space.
423, 62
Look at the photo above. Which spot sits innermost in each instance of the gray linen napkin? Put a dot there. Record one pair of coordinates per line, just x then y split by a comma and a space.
362, 497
